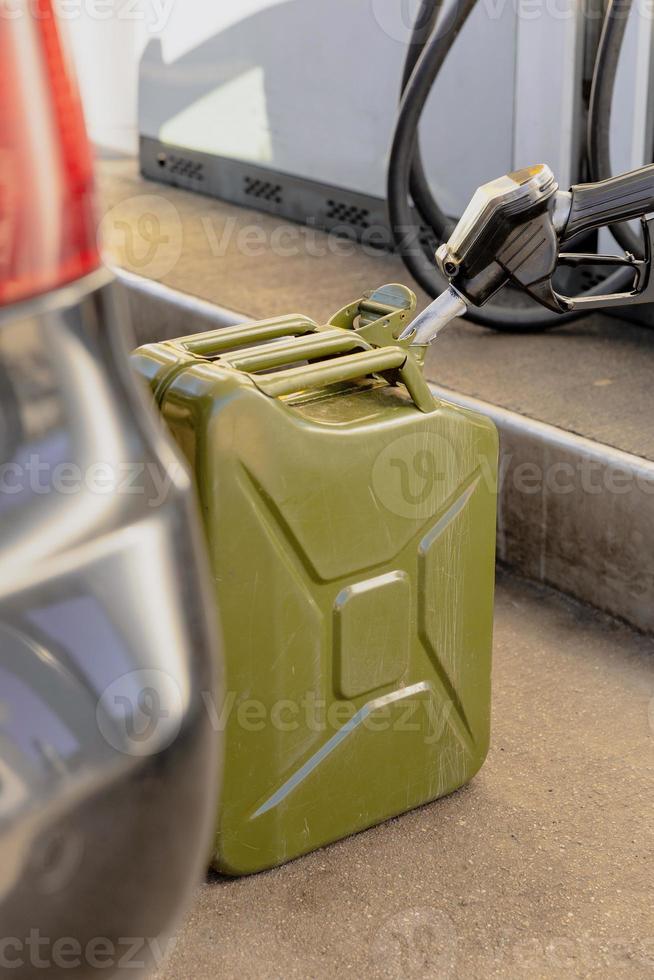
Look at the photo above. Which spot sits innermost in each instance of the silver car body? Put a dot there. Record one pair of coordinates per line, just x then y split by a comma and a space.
108, 652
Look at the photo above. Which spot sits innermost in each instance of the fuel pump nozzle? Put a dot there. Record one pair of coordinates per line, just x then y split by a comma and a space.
512, 232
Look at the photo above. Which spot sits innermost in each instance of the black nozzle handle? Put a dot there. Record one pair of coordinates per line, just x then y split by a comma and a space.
608, 202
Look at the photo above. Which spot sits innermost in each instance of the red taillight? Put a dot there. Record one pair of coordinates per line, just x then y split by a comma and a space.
47, 225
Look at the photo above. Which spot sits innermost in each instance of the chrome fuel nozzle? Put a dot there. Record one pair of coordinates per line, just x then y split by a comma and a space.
512, 232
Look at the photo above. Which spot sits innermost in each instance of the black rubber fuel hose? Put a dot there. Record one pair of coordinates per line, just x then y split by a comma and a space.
430, 211
599, 110
406, 172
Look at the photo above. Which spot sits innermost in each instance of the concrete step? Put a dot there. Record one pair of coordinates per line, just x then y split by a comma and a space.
574, 513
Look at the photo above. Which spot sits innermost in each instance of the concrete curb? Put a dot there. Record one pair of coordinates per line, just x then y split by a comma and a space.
161, 313
574, 514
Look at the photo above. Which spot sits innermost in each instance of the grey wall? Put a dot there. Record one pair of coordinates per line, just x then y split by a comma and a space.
310, 87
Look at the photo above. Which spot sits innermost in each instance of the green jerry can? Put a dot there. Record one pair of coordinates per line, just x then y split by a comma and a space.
350, 518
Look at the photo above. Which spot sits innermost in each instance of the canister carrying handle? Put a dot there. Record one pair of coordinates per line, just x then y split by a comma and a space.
347, 368
325, 343
216, 342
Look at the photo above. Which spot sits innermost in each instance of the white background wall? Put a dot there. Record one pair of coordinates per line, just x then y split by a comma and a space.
107, 53
107, 39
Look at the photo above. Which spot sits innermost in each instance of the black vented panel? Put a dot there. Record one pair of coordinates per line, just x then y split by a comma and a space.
308, 202
180, 166
264, 190
348, 214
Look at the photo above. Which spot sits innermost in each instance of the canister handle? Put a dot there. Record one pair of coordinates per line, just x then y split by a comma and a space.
351, 366
268, 357
216, 342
